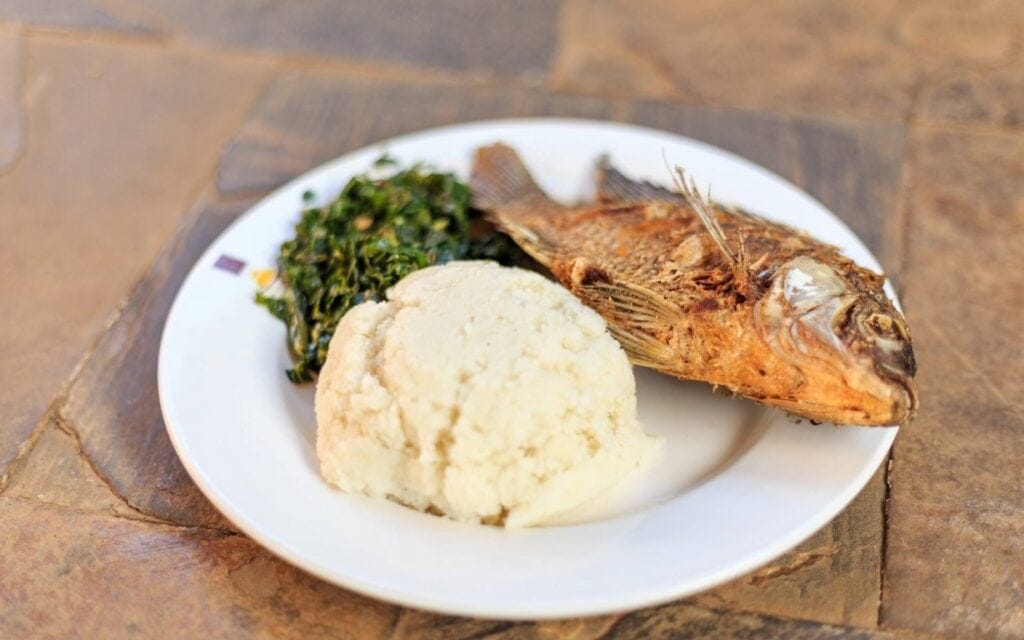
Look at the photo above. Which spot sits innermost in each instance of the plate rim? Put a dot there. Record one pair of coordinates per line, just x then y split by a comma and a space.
654, 594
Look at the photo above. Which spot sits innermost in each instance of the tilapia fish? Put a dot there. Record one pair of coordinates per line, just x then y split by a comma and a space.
706, 292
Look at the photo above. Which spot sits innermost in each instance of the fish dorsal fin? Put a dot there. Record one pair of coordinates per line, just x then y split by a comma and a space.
503, 188
746, 284
614, 186
704, 209
500, 179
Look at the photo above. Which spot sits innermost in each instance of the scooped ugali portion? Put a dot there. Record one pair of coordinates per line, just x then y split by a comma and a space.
488, 394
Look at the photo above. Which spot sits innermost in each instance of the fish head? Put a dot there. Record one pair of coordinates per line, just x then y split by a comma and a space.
820, 318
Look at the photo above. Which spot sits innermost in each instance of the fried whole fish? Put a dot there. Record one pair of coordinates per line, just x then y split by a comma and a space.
705, 292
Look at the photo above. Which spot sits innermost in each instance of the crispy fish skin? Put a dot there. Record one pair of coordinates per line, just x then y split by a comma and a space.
703, 292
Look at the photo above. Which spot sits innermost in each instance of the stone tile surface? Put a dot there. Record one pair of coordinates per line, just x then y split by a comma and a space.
877, 59
956, 532
12, 122
677, 620
485, 35
56, 472
113, 407
118, 143
833, 577
969, 59
419, 625
80, 14
307, 118
688, 621
507, 38
67, 574
113, 114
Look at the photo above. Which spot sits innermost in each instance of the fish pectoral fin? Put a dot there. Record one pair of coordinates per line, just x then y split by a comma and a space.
642, 307
643, 350
636, 316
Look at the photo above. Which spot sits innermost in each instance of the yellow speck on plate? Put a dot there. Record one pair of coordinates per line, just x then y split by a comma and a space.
264, 277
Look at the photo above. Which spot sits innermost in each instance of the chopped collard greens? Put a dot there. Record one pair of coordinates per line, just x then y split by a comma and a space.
377, 231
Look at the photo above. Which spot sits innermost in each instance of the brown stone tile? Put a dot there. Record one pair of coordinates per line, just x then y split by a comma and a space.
945, 31
80, 14
120, 139
64, 573
573, 629
833, 577
956, 532
485, 35
12, 131
683, 620
420, 625
70, 574
113, 406
677, 620
797, 55
995, 95
56, 472
971, 60
307, 118
878, 59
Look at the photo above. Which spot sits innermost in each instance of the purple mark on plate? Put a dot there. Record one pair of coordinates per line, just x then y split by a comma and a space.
227, 263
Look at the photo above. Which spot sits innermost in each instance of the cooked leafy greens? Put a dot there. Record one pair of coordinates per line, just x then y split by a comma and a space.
377, 231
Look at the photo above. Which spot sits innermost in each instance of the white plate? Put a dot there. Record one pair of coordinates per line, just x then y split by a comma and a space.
738, 486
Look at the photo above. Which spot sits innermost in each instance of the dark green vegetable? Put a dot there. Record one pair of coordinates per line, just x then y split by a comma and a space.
375, 233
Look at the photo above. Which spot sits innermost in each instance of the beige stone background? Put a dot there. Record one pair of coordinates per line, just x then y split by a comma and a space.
132, 131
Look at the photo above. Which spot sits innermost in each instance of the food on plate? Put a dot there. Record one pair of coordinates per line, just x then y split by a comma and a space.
485, 393
702, 291
378, 230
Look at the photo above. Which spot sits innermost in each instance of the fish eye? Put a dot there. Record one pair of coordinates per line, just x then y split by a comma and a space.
885, 325
880, 322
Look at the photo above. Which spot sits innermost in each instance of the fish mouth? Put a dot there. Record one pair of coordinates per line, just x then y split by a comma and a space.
882, 336
905, 407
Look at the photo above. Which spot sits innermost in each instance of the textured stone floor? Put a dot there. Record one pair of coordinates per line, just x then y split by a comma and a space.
133, 131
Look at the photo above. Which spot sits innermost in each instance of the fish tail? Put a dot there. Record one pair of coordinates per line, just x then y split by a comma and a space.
500, 179
503, 188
